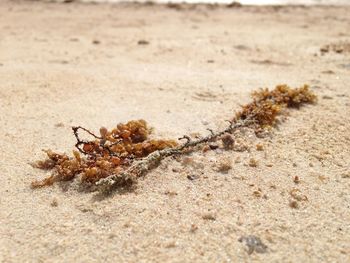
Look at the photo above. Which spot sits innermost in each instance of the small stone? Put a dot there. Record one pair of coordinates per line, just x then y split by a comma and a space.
234, 4
346, 175
209, 216
322, 178
142, 42
192, 177
213, 146
54, 202
328, 72
187, 161
193, 228
297, 195
296, 179
227, 141
293, 204
253, 162
170, 193
170, 244
240, 146
241, 47
259, 147
206, 148
59, 125
254, 244
257, 193
224, 165
175, 170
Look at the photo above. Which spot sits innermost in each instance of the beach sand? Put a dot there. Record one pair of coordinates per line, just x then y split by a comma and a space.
82, 64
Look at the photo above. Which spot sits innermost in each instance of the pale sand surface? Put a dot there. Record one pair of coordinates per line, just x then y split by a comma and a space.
53, 76
244, 2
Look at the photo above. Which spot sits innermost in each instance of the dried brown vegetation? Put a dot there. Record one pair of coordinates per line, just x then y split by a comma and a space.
340, 48
119, 156
106, 154
266, 104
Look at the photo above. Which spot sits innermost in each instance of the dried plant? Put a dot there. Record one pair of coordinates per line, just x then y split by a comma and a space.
106, 154
118, 157
339, 47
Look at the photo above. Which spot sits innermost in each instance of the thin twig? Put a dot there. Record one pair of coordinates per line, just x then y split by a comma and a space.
140, 167
84, 142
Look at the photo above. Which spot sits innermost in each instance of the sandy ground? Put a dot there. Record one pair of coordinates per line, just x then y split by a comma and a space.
80, 64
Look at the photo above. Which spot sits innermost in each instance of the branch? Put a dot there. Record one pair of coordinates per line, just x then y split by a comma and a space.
142, 166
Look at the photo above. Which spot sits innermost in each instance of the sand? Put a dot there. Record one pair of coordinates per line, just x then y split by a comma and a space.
81, 64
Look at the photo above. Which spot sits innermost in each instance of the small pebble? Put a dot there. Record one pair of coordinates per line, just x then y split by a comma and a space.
227, 141
209, 216
253, 162
193, 228
142, 42
192, 177
224, 165
293, 204
54, 202
259, 147
253, 243
296, 179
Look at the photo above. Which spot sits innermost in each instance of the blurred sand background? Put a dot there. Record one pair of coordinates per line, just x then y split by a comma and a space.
243, 2
82, 64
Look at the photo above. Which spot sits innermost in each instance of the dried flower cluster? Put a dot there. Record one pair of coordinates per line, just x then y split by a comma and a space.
107, 154
118, 157
266, 104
